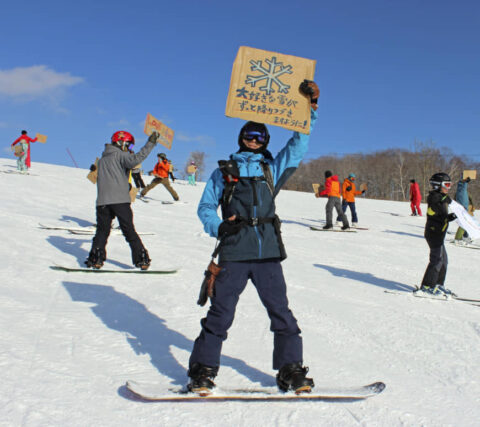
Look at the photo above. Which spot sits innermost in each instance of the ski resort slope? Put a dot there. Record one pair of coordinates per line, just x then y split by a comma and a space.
70, 341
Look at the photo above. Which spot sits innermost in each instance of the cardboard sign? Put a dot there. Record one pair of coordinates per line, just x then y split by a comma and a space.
165, 133
92, 176
363, 186
133, 194
264, 88
472, 174
18, 150
191, 169
41, 138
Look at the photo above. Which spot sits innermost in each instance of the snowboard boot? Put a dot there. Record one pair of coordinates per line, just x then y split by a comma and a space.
345, 227
327, 227
95, 259
293, 377
433, 290
144, 262
201, 379
354, 224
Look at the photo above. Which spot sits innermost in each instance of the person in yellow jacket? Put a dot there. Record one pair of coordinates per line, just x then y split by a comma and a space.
348, 198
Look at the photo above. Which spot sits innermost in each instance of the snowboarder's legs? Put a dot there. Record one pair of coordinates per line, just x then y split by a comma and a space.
437, 267
229, 284
137, 178
353, 211
272, 290
412, 206
153, 184
191, 179
21, 161
417, 207
328, 210
335, 203
166, 183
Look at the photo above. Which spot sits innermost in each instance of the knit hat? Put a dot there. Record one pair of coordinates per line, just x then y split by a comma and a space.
328, 174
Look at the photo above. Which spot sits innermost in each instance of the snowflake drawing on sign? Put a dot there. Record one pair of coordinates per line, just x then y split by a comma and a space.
270, 75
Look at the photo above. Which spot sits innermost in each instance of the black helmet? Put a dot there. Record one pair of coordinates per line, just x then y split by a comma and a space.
163, 156
438, 179
251, 130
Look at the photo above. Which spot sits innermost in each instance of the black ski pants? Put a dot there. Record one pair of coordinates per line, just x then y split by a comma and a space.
437, 267
267, 277
137, 178
123, 212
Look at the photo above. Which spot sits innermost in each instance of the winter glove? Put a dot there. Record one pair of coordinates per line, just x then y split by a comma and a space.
349, 188
309, 88
467, 180
363, 191
153, 137
230, 227
451, 217
93, 168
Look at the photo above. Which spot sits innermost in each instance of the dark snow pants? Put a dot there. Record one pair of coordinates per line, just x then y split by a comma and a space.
437, 267
334, 202
137, 178
267, 277
105, 216
353, 210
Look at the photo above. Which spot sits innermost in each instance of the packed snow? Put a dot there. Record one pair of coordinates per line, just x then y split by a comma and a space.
70, 341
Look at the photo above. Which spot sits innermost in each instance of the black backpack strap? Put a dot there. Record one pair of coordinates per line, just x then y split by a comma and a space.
267, 173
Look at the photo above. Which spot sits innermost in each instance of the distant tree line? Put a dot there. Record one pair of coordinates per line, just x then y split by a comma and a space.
388, 172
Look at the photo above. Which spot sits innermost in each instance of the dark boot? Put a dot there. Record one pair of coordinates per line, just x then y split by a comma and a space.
143, 262
201, 378
327, 227
95, 259
345, 227
293, 377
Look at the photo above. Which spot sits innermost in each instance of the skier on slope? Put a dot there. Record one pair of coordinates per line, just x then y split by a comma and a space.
160, 172
251, 248
435, 231
332, 191
415, 198
348, 198
113, 198
24, 162
463, 197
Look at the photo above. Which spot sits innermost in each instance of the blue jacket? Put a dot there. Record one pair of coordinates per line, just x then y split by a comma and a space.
461, 196
252, 242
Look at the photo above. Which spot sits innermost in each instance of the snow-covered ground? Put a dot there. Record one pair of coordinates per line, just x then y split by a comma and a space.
69, 341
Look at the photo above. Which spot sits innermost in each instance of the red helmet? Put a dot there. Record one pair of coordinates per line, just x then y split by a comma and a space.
123, 138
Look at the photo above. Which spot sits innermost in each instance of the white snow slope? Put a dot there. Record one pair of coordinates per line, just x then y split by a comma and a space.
70, 341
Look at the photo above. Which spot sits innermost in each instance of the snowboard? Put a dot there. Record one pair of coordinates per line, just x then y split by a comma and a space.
468, 245
154, 392
106, 270
19, 173
90, 228
350, 230
114, 232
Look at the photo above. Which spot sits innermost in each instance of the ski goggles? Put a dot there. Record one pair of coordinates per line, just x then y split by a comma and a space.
251, 135
447, 185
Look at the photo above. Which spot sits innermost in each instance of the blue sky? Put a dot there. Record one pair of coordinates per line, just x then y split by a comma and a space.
389, 72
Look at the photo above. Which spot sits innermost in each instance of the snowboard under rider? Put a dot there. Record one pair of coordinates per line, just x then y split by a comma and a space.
113, 198
250, 247
435, 231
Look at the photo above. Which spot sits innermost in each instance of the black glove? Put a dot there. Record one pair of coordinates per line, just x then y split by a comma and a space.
467, 180
349, 188
363, 191
93, 168
309, 88
228, 228
451, 217
153, 137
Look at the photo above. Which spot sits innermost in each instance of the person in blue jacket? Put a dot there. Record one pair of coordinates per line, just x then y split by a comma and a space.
250, 247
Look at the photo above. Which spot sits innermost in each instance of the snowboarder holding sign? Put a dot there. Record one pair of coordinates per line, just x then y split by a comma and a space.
332, 191
435, 230
250, 247
113, 198
23, 162
349, 192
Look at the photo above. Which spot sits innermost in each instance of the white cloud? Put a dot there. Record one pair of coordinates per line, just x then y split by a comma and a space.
34, 81
202, 139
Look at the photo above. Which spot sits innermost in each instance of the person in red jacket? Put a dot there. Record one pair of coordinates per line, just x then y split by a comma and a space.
160, 171
415, 198
23, 162
332, 191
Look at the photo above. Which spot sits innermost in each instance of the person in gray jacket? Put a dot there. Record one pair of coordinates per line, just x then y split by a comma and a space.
113, 198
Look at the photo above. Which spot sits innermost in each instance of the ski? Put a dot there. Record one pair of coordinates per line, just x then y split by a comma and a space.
106, 270
470, 301
156, 393
338, 230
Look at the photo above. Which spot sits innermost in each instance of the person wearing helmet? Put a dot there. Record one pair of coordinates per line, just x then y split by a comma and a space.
250, 247
435, 231
113, 198
191, 171
349, 192
160, 172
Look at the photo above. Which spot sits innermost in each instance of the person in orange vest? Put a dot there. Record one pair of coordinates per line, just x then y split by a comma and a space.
332, 191
415, 198
348, 197
160, 171
23, 161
